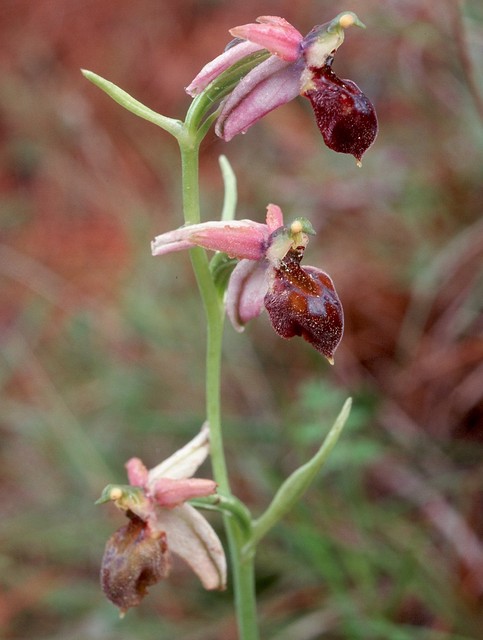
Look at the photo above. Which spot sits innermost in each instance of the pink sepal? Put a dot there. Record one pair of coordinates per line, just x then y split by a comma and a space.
246, 290
238, 238
236, 241
268, 86
221, 63
170, 493
136, 472
274, 217
274, 34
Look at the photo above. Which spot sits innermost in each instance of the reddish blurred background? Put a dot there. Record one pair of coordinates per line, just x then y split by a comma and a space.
101, 358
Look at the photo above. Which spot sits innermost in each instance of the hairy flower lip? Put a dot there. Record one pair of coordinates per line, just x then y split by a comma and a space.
133, 561
302, 301
345, 116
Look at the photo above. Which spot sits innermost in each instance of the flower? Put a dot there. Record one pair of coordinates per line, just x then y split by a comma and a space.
298, 66
300, 301
160, 522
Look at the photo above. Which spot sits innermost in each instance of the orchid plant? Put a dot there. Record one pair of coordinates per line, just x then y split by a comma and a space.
255, 266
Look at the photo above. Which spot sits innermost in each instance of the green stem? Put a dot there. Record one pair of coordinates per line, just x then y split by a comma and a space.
213, 311
242, 564
243, 570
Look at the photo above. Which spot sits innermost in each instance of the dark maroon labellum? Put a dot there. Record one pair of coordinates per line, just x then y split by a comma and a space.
345, 116
133, 560
303, 302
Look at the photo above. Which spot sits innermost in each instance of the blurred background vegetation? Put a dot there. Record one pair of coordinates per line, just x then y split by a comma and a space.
102, 346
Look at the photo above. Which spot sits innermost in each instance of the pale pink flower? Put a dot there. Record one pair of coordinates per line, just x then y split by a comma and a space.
299, 300
160, 523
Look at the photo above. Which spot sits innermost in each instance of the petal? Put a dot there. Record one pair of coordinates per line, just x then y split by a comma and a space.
191, 537
170, 493
275, 34
270, 85
237, 238
136, 472
246, 291
274, 217
185, 461
221, 63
